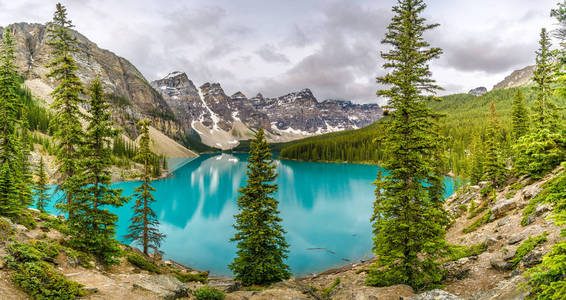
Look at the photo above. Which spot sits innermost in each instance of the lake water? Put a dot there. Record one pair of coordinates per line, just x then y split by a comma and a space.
325, 209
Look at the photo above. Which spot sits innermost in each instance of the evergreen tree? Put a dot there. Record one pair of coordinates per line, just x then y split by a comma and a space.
544, 147
409, 219
261, 242
493, 164
520, 117
144, 223
67, 129
41, 187
477, 160
93, 225
544, 111
26, 177
10, 156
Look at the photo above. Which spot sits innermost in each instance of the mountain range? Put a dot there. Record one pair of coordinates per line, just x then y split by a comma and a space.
192, 116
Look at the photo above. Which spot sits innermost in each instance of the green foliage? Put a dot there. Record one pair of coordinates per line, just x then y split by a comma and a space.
66, 122
259, 233
144, 223
25, 218
457, 252
201, 277
409, 220
494, 169
142, 263
527, 247
208, 293
93, 226
41, 281
479, 222
326, 292
520, 117
547, 280
41, 187
540, 151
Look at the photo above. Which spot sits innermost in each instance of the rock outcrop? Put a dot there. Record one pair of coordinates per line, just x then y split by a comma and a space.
478, 91
518, 78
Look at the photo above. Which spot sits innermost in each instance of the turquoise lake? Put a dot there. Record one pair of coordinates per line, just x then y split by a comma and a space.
325, 209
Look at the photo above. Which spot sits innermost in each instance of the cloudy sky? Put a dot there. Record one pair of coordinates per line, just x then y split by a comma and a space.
274, 47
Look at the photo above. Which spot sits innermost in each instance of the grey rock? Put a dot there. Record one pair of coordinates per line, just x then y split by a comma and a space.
457, 270
490, 241
436, 295
532, 259
503, 221
500, 264
502, 207
478, 91
514, 239
542, 209
507, 256
226, 285
165, 286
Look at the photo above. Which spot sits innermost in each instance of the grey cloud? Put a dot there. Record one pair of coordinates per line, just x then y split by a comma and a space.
270, 54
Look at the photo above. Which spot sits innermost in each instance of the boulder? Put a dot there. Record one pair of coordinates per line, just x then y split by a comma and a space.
490, 241
500, 264
165, 286
436, 295
542, 209
457, 270
395, 292
514, 239
502, 207
532, 259
226, 285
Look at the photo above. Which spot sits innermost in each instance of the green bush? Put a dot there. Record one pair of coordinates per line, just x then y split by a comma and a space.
478, 223
329, 289
527, 247
82, 258
26, 219
457, 252
189, 277
41, 281
24, 252
208, 293
140, 262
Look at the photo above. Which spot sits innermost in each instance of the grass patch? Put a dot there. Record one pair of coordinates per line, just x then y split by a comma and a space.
208, 293
481, 221
190, 277
140, 262
457, 252
527, 247
326, 292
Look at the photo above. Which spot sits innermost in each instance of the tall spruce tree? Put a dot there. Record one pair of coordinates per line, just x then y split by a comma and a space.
520, 116
493, 164
544, 146
66, 121
144, 223
40, 186
477, 160
409, 219
261, 242
26, 176
93, 225
10, 146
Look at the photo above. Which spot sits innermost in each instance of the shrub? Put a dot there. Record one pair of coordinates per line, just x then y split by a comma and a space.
82, 258
41, 281
208, 293
527, 246
329, 289
457, 252
188, 277
478, 222
140, 262
26, 219
24, 252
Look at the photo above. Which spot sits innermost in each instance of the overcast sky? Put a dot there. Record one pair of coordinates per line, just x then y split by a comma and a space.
274, 47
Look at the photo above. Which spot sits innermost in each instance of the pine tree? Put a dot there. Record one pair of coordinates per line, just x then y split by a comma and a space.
26, 177
493, 164
544, 111
144, 223
520, 117
544, 147
10, 156
477, 160
261, 242
409, 219
67, 129
41, 187
93, 225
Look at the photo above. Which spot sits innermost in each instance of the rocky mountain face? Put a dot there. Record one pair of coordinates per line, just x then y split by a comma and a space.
177, 107
132, 95
478, 91
517, 78
222, 120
